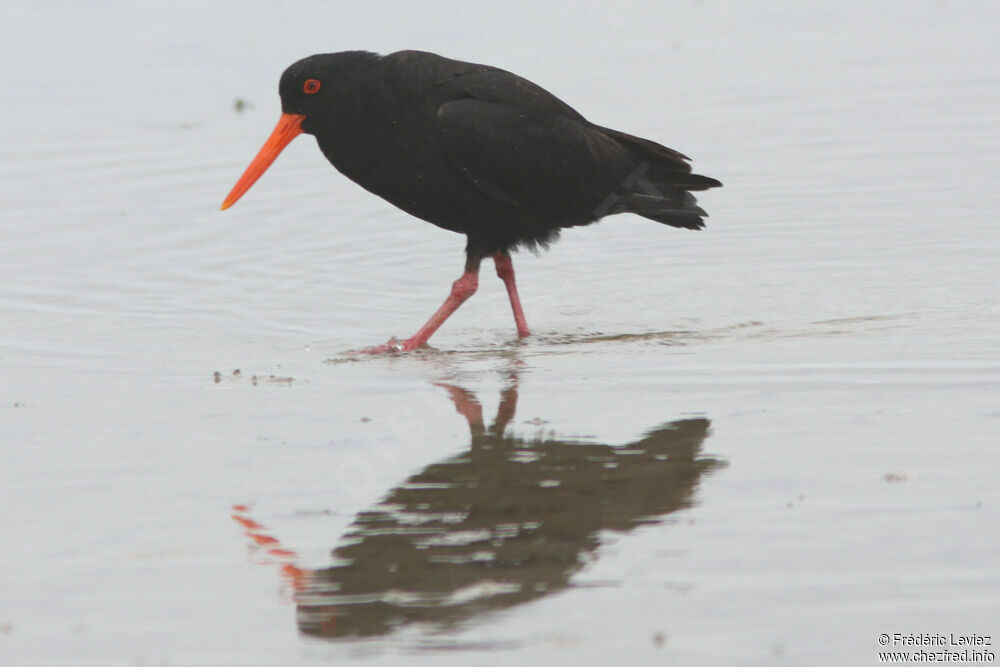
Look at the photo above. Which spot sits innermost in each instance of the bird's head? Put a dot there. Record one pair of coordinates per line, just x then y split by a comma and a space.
310, 90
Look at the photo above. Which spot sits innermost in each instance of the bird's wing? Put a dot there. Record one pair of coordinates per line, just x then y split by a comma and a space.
520, 145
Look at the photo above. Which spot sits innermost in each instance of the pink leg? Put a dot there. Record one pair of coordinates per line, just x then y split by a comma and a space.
467, 405
461, 290
506, 409
505, 270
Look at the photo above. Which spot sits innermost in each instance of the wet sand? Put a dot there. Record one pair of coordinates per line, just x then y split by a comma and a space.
765, 443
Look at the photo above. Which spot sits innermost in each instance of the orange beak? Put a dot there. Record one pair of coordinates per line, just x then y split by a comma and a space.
288, 127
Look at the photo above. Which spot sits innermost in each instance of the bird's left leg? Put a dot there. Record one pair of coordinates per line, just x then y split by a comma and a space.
467, 405
505, 270
461, 290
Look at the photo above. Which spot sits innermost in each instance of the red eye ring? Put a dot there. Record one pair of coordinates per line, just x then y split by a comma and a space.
311, 86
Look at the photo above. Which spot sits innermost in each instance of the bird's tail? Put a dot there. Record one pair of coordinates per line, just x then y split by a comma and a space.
659, 187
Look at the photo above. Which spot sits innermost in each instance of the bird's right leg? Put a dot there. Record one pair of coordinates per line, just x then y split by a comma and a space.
461, 290
505, 271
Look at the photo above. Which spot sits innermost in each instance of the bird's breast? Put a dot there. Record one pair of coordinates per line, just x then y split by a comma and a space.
405, 168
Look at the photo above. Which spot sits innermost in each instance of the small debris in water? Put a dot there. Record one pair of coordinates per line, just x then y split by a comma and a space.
895, 477
659, 639
273, 379
255, 379
240, 105
365, 420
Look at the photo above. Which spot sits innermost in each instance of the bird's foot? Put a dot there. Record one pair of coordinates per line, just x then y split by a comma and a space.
393, 346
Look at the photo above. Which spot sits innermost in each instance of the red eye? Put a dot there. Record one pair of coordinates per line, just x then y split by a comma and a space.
310, 86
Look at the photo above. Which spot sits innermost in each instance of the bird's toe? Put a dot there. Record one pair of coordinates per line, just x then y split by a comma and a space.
394, 346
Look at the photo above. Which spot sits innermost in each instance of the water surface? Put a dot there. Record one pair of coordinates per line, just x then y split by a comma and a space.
764, 443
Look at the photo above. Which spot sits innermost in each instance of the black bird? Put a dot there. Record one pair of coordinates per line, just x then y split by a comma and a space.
477, 150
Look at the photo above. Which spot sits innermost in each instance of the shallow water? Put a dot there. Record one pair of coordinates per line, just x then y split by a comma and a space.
764, 443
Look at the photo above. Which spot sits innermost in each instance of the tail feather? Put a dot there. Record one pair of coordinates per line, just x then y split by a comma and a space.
651, 204
695, 182
660, 186
684, 214
664, 198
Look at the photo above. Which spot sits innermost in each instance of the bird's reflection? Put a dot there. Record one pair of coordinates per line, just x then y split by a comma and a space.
509, 520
